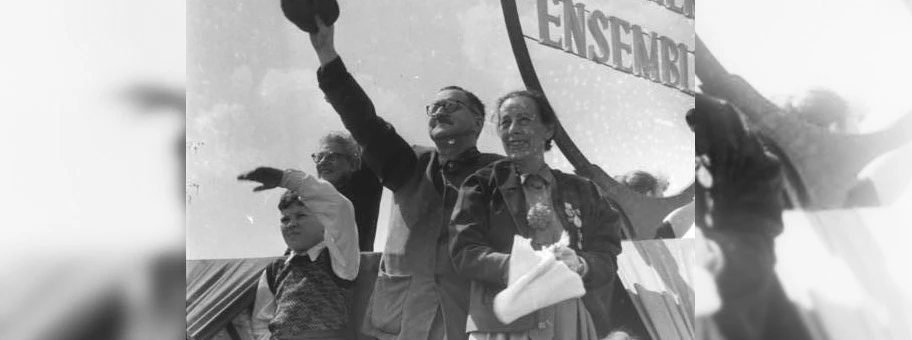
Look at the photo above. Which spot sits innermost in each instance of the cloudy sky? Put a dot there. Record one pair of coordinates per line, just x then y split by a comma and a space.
858, 48
70, 133
253, 98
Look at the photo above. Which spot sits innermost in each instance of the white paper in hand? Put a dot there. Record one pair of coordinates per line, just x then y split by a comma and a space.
537, 281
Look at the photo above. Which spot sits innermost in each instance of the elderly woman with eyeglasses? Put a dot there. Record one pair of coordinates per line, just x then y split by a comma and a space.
338, 161
522, 195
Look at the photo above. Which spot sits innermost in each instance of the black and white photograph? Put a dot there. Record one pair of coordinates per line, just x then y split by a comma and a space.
445, 170
440, 170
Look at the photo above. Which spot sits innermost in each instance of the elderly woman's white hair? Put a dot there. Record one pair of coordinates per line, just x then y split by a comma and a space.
347, 142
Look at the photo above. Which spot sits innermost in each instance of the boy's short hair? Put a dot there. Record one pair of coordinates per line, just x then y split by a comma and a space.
288, 199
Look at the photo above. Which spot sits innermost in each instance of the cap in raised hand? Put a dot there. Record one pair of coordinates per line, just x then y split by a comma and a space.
303, 12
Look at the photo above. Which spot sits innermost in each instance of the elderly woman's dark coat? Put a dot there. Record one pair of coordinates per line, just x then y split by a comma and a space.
489, 213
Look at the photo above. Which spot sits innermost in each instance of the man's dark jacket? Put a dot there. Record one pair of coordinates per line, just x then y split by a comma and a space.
416, 273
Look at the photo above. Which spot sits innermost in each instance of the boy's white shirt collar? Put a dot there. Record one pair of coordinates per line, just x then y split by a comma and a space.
313, 252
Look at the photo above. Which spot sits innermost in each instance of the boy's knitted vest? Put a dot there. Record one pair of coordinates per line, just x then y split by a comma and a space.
308, 296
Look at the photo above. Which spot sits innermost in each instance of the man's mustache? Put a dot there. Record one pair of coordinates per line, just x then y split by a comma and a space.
442, 118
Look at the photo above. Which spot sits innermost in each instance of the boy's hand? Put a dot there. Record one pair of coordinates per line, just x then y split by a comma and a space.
268, 177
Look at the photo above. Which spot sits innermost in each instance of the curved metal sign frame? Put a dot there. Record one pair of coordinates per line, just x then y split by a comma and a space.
643, 214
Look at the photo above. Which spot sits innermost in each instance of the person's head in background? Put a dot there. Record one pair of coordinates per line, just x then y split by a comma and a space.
821, 107
338, 157
300, 227
644, 183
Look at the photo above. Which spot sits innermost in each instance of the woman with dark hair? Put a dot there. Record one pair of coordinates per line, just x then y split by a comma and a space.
521, 195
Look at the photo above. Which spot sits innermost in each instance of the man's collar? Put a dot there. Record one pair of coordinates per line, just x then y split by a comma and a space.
313, 252
469, 155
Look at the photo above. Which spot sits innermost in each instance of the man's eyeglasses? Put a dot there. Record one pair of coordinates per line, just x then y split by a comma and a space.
446, 106
327, 156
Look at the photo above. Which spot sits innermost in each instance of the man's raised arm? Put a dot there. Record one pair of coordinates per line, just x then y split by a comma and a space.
385, 152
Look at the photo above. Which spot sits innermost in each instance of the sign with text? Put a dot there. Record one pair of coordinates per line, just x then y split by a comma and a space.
597, 34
